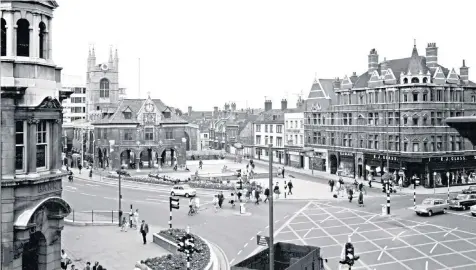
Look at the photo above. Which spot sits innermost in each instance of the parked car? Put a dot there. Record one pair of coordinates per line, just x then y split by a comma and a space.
463, 201
473, 210
183, 190
155, 175
469, 190
125, 173
431, 206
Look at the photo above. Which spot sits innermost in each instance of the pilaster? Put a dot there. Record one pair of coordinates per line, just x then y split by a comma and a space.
8, 141
32, 41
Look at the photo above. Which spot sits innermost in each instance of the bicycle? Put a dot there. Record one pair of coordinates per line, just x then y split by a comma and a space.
193, 210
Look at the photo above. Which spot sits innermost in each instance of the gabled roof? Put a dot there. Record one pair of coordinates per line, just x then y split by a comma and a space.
134, 105
417, 64
274, 116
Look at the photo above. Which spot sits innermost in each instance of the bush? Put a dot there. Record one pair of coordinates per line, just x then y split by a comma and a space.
199, 260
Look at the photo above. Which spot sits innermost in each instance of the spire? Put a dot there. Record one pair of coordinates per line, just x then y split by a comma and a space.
116, 55
93, 53
110, 53
89, 51
415, 51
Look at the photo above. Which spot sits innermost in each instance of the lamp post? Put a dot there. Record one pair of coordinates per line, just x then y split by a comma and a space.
184, 140
120, 172
138, 158
271, 222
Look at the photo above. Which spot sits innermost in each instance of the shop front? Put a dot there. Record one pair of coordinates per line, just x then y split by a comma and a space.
295, 159
375, 163
346, 164
457, 170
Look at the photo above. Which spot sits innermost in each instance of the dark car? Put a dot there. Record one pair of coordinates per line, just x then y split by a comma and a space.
469, 190
463, 201
155, 175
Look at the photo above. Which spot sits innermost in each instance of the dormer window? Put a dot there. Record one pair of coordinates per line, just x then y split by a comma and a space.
415, 80
275, 117
127, 115
166, 114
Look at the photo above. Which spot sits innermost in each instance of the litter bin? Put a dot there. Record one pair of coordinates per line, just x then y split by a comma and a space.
384, 209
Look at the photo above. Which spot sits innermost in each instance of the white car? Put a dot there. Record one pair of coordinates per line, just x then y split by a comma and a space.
183, 190
473, 210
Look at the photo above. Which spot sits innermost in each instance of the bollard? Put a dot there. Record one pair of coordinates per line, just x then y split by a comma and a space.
73, 215
112, 217
92, 216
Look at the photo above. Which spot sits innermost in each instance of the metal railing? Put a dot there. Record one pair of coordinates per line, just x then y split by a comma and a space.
95, 216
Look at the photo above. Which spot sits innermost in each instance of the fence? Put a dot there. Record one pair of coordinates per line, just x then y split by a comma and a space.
95, 216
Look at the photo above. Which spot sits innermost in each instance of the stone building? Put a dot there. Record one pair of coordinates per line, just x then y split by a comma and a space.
143, 132
32, 207
395, 111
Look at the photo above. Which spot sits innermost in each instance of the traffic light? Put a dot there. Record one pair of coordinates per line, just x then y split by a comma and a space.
181, 244
349, 257
174, 203
384, 188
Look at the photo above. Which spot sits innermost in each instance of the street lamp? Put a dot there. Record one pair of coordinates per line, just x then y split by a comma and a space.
185, 151
271, 223
120, 172
138, 158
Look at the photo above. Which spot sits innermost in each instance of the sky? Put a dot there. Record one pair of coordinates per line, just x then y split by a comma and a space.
209, 52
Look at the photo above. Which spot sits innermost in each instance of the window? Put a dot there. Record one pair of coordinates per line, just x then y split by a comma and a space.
128, 134
425, 97
390, 142
314, 140
425, 120
149, 134
390, 118
266, 128
271, 139
416, 147
104, 88
390, 97
371, 119
23, 38
266, 140
332, 139
439, 118
473, 98
370, 142
376, 146
405, 120
279, 128
332, 119
415, 120
439, 143
458, 144
439, 95
361, 99
20, 135
169, 135
166, 114
405, 98
258, 128
405, 146
270, 128
41, 144
104, 133
127, 115
258, 139
415, 80
42, 40
377, 97
4, 37
279, 141
415, 97
425, 80
425, 146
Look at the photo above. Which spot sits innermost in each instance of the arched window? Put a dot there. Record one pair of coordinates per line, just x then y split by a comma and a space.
415, 80
23, 38
405, 81
42, 39
425, 80
4, 38
104, 88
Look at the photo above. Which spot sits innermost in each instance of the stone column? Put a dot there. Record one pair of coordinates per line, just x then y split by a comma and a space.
8, 16
33, 40
31, 147
49, 44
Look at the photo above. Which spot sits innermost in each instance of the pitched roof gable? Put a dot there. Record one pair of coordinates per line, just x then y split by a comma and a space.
346, 83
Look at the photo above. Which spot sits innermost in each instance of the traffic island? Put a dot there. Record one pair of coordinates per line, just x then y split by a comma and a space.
202, 259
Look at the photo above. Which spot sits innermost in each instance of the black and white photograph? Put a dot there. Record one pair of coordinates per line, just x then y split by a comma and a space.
237, 135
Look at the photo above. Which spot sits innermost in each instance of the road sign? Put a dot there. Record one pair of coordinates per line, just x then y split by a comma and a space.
262, 240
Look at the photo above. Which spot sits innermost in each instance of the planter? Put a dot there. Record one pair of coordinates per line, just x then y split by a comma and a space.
166, 239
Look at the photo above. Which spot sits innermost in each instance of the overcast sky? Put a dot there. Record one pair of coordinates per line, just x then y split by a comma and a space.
204, 53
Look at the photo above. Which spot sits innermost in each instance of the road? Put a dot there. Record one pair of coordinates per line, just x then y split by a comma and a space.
233, 233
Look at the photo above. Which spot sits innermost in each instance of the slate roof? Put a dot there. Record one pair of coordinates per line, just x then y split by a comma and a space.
135, 105
267, 117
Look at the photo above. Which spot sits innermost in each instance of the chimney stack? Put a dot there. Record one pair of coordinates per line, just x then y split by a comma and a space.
189, 110
432, 56
233, 106
354, 77
336, 83
373, 60
227, 106
464, 72
215, 111
268, 105
384, 65
284, 104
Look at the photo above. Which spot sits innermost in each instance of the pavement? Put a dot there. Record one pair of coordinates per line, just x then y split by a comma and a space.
113, 249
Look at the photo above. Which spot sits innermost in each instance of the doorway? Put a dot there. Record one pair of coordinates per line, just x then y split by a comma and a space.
34, 253
333, 163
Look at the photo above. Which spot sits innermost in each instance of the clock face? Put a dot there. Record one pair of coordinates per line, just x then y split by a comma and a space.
149, 107
104, 67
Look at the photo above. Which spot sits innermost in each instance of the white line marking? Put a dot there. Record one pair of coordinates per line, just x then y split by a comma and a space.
431, 251
92, 195
381, 253
368, 220
398, 235
156, 200
426, 265
109, 198
72, 191
322, 221
258, 232
307, 232
231, 262
285, 216
251, 239
342, 211
450, 231
239, 252
266, 227
245, 245
91, 185
276, 221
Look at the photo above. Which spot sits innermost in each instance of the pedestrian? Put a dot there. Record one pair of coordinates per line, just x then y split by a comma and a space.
221, 198
257, 196
200, 164
136, 218
239, 195
290, 188
190, 207
232, 200
350, 192
331, 184
248, 195
215, 202
282, 171
88, 266
125, 224
361, 199
64, 259
91, 173
80, 167
144, 230
73, 267
266, 194
253, 192
96, 264
400, 182
276, 190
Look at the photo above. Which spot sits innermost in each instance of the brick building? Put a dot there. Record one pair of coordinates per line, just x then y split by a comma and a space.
145, 132
395, 111
32, 207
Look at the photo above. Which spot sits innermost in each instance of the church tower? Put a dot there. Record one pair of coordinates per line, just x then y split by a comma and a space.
102, 84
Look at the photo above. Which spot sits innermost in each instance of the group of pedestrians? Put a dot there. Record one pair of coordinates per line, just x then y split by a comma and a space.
66, 261
134, 223
340, 189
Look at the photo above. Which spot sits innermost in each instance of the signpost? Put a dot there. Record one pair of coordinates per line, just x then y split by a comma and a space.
262, 240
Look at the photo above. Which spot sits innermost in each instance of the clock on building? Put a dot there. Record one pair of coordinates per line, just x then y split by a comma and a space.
149, 107
104, 67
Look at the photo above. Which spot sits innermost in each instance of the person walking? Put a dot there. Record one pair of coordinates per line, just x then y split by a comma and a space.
64, 260
361, 199
276, 190
200, 164
282, 171
96, 265
215, 202
350, 192
266, 194
221, 198
290, 187
124, 224
144, 230
91, 173
257, 197
239, 194
331, 184
80, 167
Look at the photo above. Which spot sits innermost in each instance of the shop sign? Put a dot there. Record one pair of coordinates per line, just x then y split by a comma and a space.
346, 154
385, 157
453, 158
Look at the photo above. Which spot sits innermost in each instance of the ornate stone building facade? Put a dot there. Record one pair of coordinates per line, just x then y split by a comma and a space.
395, 111
31, 127
144, 133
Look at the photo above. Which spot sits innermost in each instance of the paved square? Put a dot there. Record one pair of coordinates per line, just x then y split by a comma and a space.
386, 243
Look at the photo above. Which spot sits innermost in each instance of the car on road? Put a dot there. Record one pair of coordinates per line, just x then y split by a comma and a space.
431, 206
469, 190
473, 210
124, 173
183, 190
463, 201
